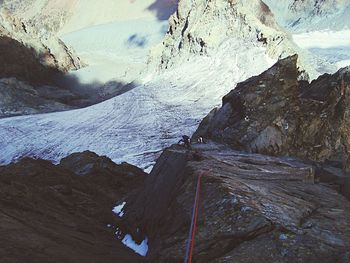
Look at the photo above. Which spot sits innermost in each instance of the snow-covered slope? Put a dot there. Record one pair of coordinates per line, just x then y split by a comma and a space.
331, 46
210, 46
319, 27
311, 15
137, 125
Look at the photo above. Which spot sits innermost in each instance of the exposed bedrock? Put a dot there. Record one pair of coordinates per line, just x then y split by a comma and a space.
278, 113
251, 207
63, 213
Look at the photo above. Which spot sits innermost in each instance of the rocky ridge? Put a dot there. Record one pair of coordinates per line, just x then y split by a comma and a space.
279, 113
277, 209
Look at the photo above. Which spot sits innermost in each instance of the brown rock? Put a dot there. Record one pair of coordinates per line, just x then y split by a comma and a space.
252, 208
49, 213
275, 113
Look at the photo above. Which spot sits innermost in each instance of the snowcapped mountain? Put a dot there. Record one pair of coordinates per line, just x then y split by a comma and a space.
320, 27
311, 15
204, 51
201, 28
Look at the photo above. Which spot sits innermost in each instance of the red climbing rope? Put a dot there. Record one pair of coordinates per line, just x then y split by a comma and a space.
190, 242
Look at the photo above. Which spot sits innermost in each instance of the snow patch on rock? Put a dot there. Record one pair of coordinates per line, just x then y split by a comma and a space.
118, 210
140, 249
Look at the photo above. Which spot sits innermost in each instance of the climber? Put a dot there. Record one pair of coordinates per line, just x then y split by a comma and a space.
186, 141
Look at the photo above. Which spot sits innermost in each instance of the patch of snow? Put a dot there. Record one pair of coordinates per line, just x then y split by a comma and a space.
140, 249
283, 237
118, 210
148, 167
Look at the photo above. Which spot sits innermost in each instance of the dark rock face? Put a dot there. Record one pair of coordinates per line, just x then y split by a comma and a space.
275, 113
60, 213
27, 86
20, 98
20, 62
252, 207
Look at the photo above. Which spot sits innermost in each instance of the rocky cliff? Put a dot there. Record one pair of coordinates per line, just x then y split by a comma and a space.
32, 69
63, 213
47, 47
252, 207
200, 27
279, 113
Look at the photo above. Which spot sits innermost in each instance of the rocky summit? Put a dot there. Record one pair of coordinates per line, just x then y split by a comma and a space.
280, 113
251, 207
63, 213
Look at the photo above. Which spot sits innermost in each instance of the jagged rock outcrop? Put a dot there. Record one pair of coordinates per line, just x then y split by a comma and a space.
252, 207
60, 213
200, 27
278, 113
20, 62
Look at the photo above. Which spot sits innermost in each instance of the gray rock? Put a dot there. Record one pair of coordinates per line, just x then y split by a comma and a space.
251, 207
275, 113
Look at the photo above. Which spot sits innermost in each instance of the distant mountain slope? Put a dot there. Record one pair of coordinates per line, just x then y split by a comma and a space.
308, 15
200, 29
70, 15
49, 49
33, 72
